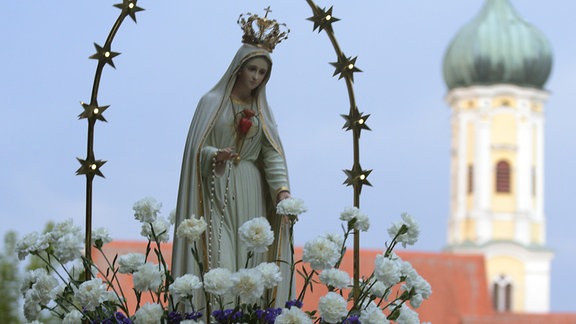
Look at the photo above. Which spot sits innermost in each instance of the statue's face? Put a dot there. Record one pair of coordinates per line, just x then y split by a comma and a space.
253, 72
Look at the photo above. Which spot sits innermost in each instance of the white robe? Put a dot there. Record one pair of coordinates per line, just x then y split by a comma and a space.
253, 183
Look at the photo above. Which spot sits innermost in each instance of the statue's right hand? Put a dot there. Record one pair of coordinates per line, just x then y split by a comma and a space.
226, 154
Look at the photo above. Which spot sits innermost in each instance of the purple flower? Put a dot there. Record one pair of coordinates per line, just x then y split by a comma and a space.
227, 316
236, 316
294, 302
174, 317
353, 319
121, 318
269, 315
193, 316
177, 317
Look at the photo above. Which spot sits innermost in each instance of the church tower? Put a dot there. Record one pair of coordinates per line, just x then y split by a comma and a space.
495, 69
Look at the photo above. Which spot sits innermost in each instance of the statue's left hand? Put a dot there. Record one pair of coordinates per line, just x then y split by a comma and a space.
282, 195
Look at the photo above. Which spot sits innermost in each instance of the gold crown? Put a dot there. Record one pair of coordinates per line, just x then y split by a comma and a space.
262, 32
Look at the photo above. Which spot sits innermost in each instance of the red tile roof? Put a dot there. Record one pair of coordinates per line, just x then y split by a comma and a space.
552, 318
459, 289
117, 248
458, 283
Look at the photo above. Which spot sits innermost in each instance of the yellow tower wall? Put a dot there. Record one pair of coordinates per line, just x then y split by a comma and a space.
504, 141
470, 138
537, 233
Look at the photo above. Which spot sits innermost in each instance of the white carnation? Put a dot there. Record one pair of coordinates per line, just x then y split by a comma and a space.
414, 280
352, 215
422, 288
332, 307
335, 278
337, 239
69, 247
293, 315
349, 213
185, 285
321, 253
90, 294
29, 280
407, 270
372, 314
39, 286
31, 306
271, 275
387, 270
101, 234
32, 243
73, 317
248, 285
148, 276
378, 289
59, 290
77, 270
256, 234
362, 223
412, 230
218, 281
128, 263
158, 228
149, 314
291, 206
416, 300
407, 316
63, 228
191, 228
146, 210
67, 241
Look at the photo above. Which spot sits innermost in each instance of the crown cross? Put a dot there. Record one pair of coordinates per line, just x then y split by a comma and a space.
261, 31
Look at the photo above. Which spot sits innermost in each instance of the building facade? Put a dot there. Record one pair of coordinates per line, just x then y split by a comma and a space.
495, 70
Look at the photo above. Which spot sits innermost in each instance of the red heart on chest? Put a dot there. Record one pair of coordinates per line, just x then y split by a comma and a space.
244, 125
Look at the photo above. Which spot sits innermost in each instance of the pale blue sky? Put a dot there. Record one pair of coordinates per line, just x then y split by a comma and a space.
179, 49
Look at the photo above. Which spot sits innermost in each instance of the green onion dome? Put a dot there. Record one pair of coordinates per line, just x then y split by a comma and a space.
498, 47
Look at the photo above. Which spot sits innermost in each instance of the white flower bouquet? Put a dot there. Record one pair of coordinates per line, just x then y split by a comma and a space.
64, 288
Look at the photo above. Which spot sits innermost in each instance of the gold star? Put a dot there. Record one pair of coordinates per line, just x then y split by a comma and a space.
90, 167
357, 177
346, 66
93, 111
104, 55
129, 7
323, 19
355, 121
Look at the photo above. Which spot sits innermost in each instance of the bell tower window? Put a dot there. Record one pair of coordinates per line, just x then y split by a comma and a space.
502, 290
470, 178
503, 177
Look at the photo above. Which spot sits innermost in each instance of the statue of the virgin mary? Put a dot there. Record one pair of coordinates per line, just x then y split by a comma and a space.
234, 169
